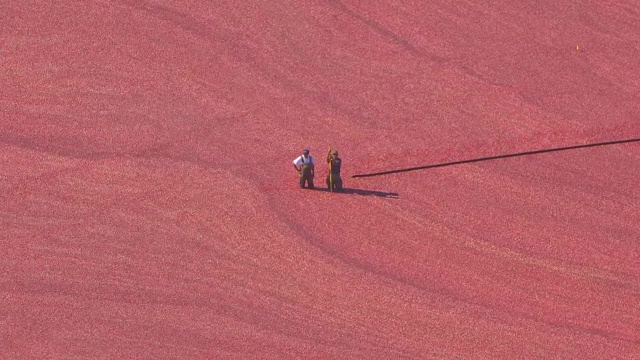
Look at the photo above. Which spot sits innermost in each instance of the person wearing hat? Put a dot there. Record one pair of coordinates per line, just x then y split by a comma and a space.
334, 181
304, 165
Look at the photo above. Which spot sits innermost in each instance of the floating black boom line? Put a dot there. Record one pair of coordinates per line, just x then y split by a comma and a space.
496, 157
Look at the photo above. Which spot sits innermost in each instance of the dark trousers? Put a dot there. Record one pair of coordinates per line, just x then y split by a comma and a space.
308, 178
337, 182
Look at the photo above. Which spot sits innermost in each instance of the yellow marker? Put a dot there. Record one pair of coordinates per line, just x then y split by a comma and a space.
330, 176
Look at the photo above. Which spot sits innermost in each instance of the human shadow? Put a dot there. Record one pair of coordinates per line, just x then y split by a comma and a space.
351, 191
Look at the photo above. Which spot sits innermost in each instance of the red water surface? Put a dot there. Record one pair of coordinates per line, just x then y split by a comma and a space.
149, 209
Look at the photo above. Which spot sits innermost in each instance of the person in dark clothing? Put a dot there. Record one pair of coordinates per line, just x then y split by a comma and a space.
334, 181
305, 166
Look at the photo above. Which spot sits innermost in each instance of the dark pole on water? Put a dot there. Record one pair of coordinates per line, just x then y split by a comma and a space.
533, 152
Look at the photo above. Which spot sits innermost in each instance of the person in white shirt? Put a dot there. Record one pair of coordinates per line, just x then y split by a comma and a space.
305, 166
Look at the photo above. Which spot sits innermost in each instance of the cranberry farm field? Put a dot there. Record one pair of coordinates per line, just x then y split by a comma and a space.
149, 207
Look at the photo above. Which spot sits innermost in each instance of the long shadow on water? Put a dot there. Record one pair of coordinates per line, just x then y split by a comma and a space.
351, 191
